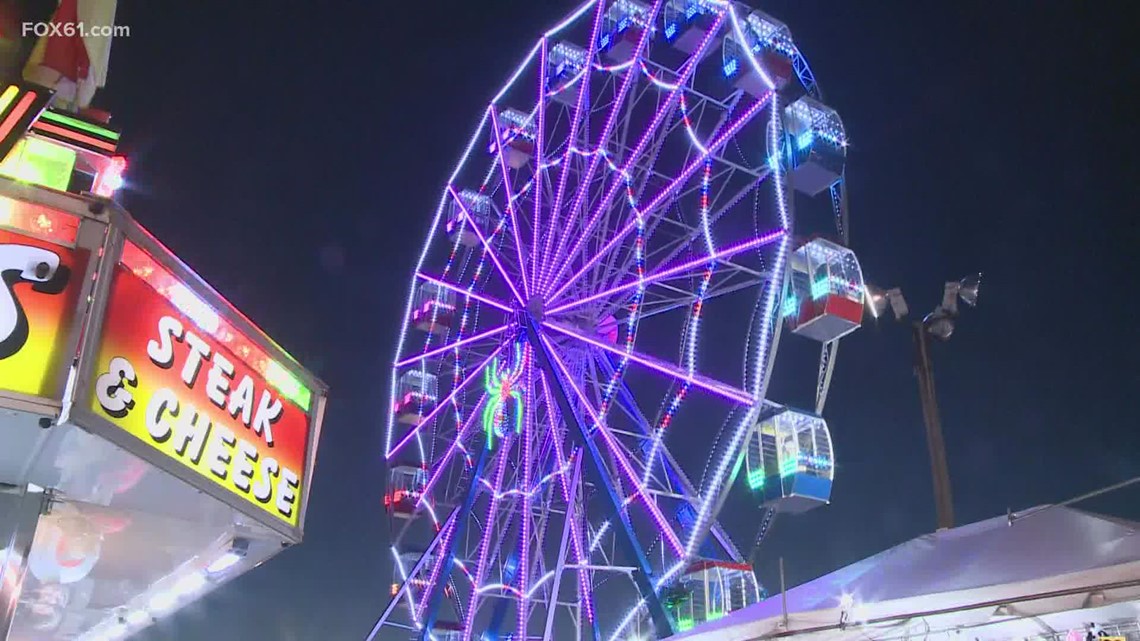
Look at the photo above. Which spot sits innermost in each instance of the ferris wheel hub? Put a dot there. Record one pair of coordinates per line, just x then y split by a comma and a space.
537, 307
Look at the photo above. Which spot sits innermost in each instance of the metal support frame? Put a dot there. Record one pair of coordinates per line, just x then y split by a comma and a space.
435, 597
939, 469
20, 509
623, 528
567, 529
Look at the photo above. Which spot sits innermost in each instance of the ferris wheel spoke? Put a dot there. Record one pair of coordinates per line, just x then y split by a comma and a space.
465, 432
490, 251
540, 160
700, 262
512, 216
585, 181
664, 111
465, 292
580, 106
615, 450
651, 208
440, 405
721, 389
452, 346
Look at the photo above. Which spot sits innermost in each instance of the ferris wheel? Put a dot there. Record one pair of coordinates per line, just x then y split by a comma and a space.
596, 313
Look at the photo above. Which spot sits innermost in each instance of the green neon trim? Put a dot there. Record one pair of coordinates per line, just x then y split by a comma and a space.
288, 385
75, 123
756, 478
685, 624
40, 162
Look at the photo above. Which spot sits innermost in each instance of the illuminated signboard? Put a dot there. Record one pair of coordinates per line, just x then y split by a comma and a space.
40, 279
175, 375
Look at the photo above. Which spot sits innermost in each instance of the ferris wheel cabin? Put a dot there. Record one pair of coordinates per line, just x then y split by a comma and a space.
770, 42
434, 310
818, 145
517, 132
406, 485
687, 22
460, 227
416, 395
564, 64
623, 26
790, 463
711, 589
825, 295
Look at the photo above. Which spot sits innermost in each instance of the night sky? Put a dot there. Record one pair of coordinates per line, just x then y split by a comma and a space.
293, 155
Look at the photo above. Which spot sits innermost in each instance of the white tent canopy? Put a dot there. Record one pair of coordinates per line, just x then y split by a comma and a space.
1053, 569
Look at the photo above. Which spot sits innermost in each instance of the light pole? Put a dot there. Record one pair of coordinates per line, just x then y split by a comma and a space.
940, 324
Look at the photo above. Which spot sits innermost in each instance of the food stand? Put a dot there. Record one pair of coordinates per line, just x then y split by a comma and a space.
154, 442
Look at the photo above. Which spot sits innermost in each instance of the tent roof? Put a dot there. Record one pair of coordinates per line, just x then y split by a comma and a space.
1045, 549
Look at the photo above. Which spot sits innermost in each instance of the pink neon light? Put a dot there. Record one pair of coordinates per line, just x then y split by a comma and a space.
722, 389
450, 346
486, 245
618, 455
510, 196
702, 262
442, 404
463, 292
665, 193
662, 112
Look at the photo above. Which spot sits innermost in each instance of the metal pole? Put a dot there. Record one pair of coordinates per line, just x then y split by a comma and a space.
561, 567
783, 594
939, 470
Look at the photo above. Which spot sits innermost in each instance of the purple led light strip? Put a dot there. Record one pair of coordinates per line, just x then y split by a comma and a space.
662, 112
619, 456
667, 192
487, 245
571, 136
510, 197
455, 445
540, 146
488, 528
454, 345
445, 546
703, 382
527, 500
603, 138
465, 292
442, 404
702, 262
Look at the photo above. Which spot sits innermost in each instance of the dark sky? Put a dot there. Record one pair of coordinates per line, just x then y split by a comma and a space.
293, 155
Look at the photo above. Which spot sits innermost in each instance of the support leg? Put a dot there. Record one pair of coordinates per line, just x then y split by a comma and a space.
623, 528
559, 569
435, 596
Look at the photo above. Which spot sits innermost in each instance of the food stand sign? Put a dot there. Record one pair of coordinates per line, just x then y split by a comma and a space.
41, 275
175, 375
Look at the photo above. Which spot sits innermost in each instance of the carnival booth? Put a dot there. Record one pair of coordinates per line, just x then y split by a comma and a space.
154, 442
